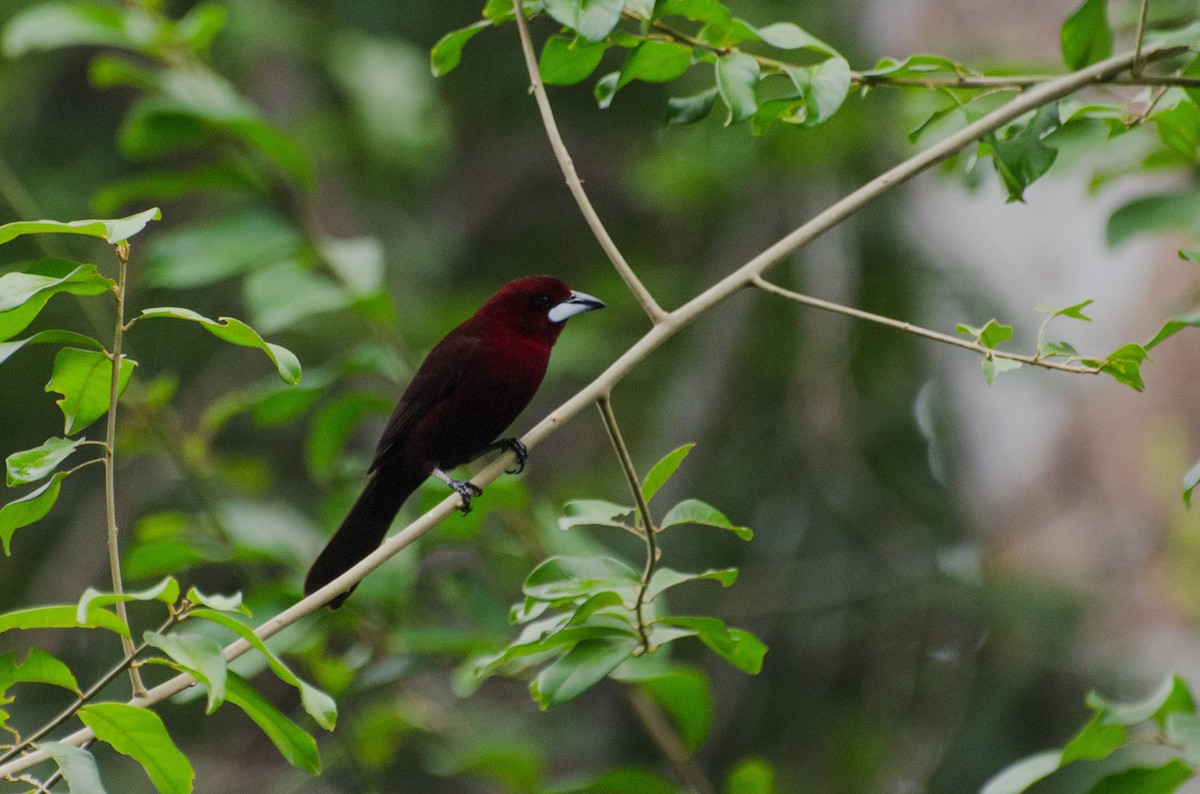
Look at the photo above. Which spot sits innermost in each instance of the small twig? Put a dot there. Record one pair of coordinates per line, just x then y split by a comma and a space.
110, 488
837, 308
1136, 68
604, 403
663, 733
649, 305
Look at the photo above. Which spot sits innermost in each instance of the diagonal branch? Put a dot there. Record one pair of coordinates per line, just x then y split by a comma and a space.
649, 305
671, 324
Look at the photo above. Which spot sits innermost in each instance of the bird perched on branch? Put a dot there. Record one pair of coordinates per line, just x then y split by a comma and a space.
467, 391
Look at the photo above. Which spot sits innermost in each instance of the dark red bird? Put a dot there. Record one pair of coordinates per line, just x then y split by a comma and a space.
469, 389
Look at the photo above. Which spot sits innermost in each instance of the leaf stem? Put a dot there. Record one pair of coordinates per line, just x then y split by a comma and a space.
649, 305
1136, 68
110, 489
604, 403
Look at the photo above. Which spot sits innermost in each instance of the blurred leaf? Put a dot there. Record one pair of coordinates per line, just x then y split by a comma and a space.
1052, 349
166, 186
1022, 774
740, 648
61, 617
1149, 214
78, 767
656, 62
592, 19
737, 78
617, 781
789, 36
280, 296
7, 349
1179, 127
1124, 364
921, 66
1190, 481
318, 705
84, 379
1095, 741
693, 511
596, 513
221, 603
714, 14
31, 507
753, 775
502, 10
206, 252
1171, 697
447, 53
1174, 326
569, 61
666, 578
166, 591
606, 89
1183, 730
22, 295
1023, 156
140, 734
112, 231
571, 577
690, 109
32, 465
684, 693
200, 25
197, 655
235, 332
1086, 36
993, 366
333, 426
663, 471
579, 669
358, 262
1164, 779
293, 743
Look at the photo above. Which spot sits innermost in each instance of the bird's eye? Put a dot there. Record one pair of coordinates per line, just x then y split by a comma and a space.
542, 302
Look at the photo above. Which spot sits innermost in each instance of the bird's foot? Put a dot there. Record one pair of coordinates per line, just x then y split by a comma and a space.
514, 446
465, 490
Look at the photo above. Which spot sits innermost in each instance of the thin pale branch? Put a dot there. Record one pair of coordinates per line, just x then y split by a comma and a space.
672, 324
649, 305
604, 403
837, 308
1136, 69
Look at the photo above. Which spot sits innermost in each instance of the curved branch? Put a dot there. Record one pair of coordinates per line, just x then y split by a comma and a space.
671, 324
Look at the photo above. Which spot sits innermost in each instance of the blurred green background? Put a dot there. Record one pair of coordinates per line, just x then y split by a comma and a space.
913, 647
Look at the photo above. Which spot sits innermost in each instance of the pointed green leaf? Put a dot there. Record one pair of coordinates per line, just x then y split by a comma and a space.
1086, 36
656, 62
7, 349
1074, 312
569, 61
1097, 740
24, 294
738, 647
141, 735
606, 89
666, 578
61, 616
200, 657
113, 231
1052, 349
22, 468
318, 705
737, 79
693, 511
78, 767
993, 367
220, 603
570, 577
823, 86
1165, 779
690, 109
293, 743
27, 509
1174, 326
592, 19
38, 667
166, 591
788, 36
1124, 364
663, 471
989, 335
238, 333
579, 669
84, 379
1024, 156
595, 513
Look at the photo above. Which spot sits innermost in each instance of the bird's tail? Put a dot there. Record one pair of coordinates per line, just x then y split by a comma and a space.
363, 528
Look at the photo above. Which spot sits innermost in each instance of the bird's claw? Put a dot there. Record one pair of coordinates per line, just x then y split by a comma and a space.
465, 491
514, 446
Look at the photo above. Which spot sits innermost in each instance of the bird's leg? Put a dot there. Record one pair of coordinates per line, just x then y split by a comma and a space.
464, 489
515, 446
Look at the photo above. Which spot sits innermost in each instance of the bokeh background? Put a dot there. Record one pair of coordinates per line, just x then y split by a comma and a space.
941, 569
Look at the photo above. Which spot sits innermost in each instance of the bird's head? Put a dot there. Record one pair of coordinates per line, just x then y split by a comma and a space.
536, 307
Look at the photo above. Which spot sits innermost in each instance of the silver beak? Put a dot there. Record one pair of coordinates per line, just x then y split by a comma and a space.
578, 303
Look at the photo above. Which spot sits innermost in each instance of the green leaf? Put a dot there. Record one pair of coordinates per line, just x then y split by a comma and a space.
52, 25
823, 86
113, 231
666, 578
318, 705
663, 471
788, 36
693, 511
1124, 364
22, 295
714, 14
569, 61
1164, 779
293, 743
1086, 36
684, 693
502, 10
656, 61
22, 468
1074, 312
993, 367
447, 53
78, 767
1052, 349
1190, 481
592, 19
740, 648
61, 617
38, 667
595, 513
238, 333
1174, 326
627, 780
1023, 156
84, 379
1097, 740
1150, 214
989, 335
1171, 697
921, 66
203, 253
200, 25
606, 89
220, 603
1179, 127
200, 657
1019, 776
140, 734
579, 669
287, 293
753, 775
7, 349
737, 78
332, 427
1183, 729
690, 109
27, 509
572, 577
166, 591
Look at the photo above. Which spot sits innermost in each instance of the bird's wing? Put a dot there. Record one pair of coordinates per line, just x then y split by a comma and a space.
434, 381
